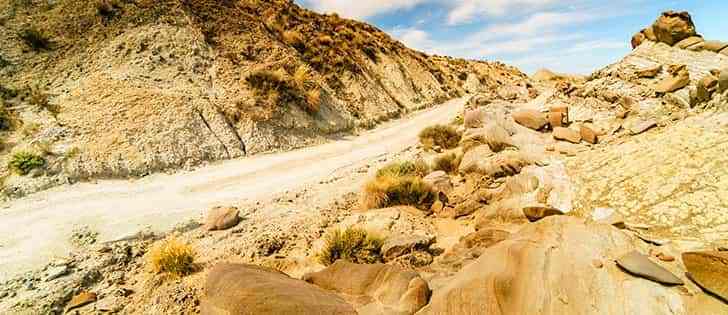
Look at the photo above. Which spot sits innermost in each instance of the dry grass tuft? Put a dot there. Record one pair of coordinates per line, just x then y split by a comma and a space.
391, 190
278, 87
448, 162
440, 135
172, 257
294, 39
353, 245
404, 168
35, 39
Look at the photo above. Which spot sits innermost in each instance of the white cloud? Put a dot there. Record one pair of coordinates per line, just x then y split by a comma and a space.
359, 9
414, 38
464, 11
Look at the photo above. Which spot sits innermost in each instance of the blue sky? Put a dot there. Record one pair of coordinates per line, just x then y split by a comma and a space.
574, 36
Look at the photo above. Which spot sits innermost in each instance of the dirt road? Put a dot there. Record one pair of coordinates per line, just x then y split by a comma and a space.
37, 228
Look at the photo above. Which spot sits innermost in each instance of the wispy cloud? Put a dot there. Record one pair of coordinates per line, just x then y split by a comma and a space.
464, 11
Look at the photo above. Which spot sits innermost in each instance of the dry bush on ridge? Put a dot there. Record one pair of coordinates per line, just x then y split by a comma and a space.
448, 162
404, 168
35, 39
172, 257
391, 190
24, 162
440, 135
353, 245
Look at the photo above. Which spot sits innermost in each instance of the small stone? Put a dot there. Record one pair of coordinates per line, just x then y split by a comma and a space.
529, 118
709, 270
222, 218
640, 265
437, 206
539, 212
80, 300
642, 126
690, 41
665, 257
566, 134
56, 272
588, 134
597, 263
484, 238
622, 114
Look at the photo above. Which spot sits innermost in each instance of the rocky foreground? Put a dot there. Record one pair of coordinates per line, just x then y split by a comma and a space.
602, 195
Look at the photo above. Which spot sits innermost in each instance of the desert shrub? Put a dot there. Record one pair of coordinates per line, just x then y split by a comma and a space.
35, 96
24, 162
172, 257
404, 168
353, 245
294, 39
3, 63
392, 190
313, 101
35, 39
303, 76
106, 8
448, 162
457, 121
440, 135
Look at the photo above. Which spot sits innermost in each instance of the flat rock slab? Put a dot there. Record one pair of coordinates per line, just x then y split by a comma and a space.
709, 270
530, 118
642, 126
250, 289
80, 300
639, 265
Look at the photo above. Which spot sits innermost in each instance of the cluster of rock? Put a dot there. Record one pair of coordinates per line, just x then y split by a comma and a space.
677, 29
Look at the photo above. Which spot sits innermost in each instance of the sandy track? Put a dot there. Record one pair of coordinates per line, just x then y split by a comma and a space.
37, 228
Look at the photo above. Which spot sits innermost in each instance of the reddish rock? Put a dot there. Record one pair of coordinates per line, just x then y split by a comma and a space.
588, 134
530, 118
566, 134
561, 109
622, 114
81, 299
637, 39
709, 270
642, 126
556, 119
678, 80
672, 27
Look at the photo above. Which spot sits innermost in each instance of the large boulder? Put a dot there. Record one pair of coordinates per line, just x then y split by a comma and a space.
530, 118
709, 270
559, 265
640, 265
249, 289
378, 288
473, 157
672, 27
566, 134
439, 181
637, 39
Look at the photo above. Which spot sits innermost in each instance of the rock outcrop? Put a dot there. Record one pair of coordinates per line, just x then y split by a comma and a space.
249, 289
535, 271
377, 288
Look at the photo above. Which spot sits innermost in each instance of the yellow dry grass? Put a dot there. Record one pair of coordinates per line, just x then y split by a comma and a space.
173, 257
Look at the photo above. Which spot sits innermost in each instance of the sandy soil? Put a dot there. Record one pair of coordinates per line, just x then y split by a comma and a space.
37, 228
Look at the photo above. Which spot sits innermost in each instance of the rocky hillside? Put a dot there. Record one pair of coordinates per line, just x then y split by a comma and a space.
603, 195
111, 88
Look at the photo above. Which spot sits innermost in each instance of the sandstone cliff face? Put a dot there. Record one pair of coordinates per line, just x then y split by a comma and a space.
125, 88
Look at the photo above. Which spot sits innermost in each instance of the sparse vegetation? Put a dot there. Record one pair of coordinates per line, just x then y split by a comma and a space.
35, 39
448, 162
173, 257
294, 39
353, 245
278, 86
391, 188
440, 135
35, 96
106, 8
24, 162
404, 168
